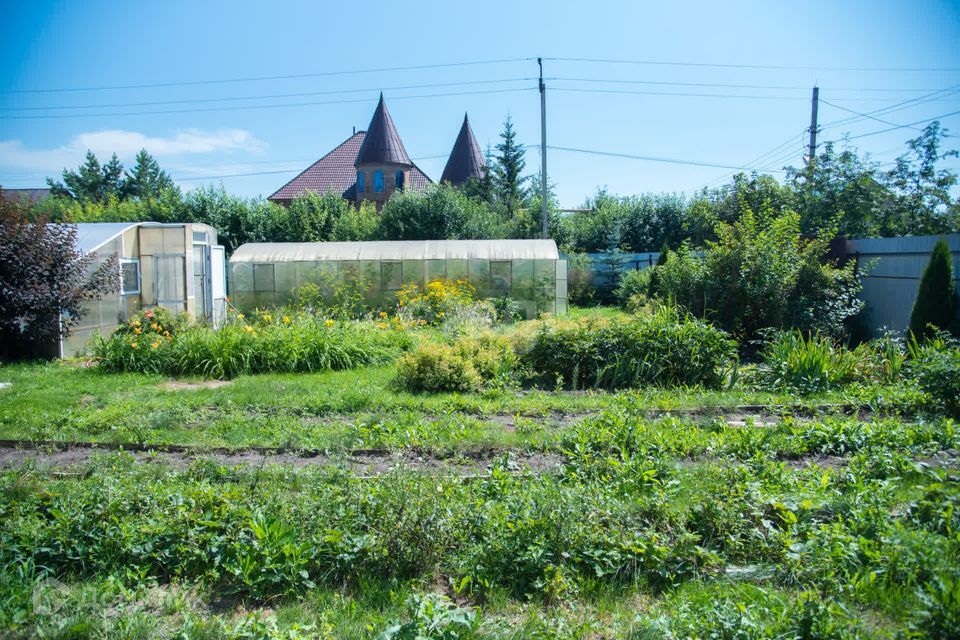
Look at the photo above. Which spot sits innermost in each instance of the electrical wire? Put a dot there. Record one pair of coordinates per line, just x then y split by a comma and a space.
253, 107
631, 156
755, 66
904, 126
267, 96
295, 76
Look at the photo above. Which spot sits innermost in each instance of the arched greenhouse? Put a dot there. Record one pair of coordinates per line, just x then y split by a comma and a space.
529, 271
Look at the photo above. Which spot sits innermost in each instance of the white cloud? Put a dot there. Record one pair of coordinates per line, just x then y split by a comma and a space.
15, 156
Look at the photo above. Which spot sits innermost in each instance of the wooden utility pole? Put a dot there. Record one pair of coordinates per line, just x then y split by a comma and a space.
544, 222
812, 153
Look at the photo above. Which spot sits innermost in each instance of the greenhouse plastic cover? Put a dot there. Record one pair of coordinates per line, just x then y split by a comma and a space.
267, 252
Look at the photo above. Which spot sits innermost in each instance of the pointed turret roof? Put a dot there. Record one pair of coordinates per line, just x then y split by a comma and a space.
382, 143
466, 160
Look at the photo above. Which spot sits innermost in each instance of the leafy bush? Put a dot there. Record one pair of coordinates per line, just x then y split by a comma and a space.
437, 367
665, 348
45, 282
761, 273
281, 343
439, 212
936, 367
633, 291
936, 303
463, 366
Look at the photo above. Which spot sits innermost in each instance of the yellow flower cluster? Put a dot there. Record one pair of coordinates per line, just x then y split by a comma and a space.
435, 300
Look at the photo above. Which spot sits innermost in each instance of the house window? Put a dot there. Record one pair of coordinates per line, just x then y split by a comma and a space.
129, 277
359, 181
378, 181
398, 179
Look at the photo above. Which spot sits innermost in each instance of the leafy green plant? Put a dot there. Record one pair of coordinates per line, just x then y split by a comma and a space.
936, 367
805, 364
433, 617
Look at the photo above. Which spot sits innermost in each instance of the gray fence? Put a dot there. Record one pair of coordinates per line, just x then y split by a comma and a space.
890, 269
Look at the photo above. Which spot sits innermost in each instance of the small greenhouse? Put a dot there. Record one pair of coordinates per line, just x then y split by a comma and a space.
175, 266
529, 271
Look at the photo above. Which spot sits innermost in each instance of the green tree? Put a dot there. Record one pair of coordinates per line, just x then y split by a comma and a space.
923, 203
356, 223
147, 180
841, 188
482, 188
91, 181
936, 302
442, 212
508, 180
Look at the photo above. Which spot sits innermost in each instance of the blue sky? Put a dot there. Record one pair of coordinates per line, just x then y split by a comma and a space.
855, 51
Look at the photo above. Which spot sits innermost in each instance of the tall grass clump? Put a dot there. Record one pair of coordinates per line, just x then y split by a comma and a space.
805, 364
665, 348
266, 343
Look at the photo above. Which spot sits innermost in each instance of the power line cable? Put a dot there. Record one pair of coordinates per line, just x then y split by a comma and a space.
862, 115
631, 156
904, 126
734, 86
321, 74
252, 107
899, 106
671, 63
265, 97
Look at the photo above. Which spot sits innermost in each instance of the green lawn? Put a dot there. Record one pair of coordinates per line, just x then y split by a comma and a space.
794, 521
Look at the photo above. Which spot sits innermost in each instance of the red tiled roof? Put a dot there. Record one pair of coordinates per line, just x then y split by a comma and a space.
335, 172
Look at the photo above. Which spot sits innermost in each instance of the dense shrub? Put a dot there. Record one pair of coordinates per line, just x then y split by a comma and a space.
45, 282
437, 367
268, 343
666, 348
633, 291
440, 212
761, 273
462, 366
936, 367
936, 303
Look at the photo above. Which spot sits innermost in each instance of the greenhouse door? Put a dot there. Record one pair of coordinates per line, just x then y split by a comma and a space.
202, 299
218, 285
169, 281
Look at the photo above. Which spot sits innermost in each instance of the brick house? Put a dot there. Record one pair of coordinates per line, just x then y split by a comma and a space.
371, 165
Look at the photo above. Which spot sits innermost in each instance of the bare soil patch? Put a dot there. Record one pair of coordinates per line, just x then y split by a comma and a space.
362, 463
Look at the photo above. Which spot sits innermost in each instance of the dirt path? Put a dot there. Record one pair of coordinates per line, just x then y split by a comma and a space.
362, 463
